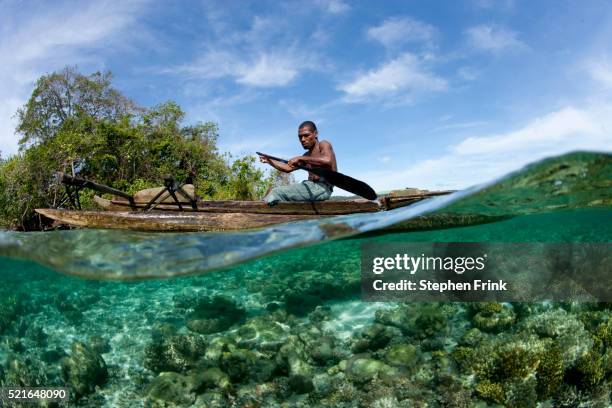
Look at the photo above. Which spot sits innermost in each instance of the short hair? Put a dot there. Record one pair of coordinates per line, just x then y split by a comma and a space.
308, 123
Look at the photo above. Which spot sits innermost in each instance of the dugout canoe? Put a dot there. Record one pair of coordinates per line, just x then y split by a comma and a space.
223, 215
167, 221
395, 199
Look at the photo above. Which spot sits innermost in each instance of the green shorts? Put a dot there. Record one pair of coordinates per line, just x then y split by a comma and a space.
305, 191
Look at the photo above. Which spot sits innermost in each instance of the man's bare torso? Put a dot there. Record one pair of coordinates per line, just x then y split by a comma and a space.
322, 149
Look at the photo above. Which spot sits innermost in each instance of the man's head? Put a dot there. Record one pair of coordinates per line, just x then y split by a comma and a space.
307, 133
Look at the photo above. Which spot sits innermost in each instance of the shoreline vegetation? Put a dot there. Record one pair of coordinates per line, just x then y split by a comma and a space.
82, 125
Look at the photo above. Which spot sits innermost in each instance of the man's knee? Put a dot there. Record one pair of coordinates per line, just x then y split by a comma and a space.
275, 195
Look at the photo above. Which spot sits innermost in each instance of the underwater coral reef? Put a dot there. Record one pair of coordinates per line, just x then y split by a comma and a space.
211, 341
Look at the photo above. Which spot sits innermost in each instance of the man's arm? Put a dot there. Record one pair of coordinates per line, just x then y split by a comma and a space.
284, 167
325, 160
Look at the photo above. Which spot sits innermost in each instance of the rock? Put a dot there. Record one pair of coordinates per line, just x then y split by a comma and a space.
213, 315
208, 326
210, 378
398, 317
364, 369
211, 399
24, 373
298, 366
241, 364
373, 338
494, 319
174, 353
322, 383
300, 384
430, 322
402, 355
262, 333
320, 314
473, 337
294, 357
83, 369
323, 351
216, 348
172, 388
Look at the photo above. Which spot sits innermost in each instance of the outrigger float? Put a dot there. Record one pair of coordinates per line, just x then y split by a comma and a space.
176, 208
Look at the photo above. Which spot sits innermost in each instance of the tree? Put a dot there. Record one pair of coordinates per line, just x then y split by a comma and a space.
245, 181
60, 96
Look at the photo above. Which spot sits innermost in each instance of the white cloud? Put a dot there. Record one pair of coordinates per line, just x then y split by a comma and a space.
401, 30
493, 38
263, 56
460, 125
480, 159
333, 6
41, 40
553, 129
468, 74
268, 70
403, 76
263, 69
601, 71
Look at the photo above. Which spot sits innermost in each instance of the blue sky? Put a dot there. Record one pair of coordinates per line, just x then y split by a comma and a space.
430, 94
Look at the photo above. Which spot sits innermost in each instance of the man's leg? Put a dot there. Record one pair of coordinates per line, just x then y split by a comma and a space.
317, 191
304, 191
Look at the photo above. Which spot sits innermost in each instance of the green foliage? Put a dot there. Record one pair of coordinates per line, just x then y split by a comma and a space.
62, 96
245, 182
81, 125
18, 193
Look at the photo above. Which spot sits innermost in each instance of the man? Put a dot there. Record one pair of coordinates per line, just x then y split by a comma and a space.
319, 154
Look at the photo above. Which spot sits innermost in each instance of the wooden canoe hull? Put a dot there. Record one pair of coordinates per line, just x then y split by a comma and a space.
254, 207
223, 215
168, 222
330, 207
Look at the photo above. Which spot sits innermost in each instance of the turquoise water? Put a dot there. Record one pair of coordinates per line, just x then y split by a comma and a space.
274, 318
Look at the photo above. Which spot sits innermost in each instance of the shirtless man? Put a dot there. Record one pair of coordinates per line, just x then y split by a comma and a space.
319, 154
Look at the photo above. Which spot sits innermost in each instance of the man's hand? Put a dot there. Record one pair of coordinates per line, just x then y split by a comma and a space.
264, 159
296, 161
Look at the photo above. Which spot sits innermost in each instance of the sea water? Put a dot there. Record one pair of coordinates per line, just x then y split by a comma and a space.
274, 317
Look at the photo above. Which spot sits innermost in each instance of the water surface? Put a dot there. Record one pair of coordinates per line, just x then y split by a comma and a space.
272, 317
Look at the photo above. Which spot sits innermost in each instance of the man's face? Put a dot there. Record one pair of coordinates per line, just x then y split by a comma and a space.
307, 136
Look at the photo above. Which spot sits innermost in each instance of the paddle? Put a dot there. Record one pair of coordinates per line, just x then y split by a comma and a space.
337, 179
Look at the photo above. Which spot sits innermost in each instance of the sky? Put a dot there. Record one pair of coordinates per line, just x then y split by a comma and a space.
427, 94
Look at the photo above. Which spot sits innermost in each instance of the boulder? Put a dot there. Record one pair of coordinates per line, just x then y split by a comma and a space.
83, 369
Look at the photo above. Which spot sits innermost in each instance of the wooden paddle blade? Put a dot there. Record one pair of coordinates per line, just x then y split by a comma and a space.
345, 182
